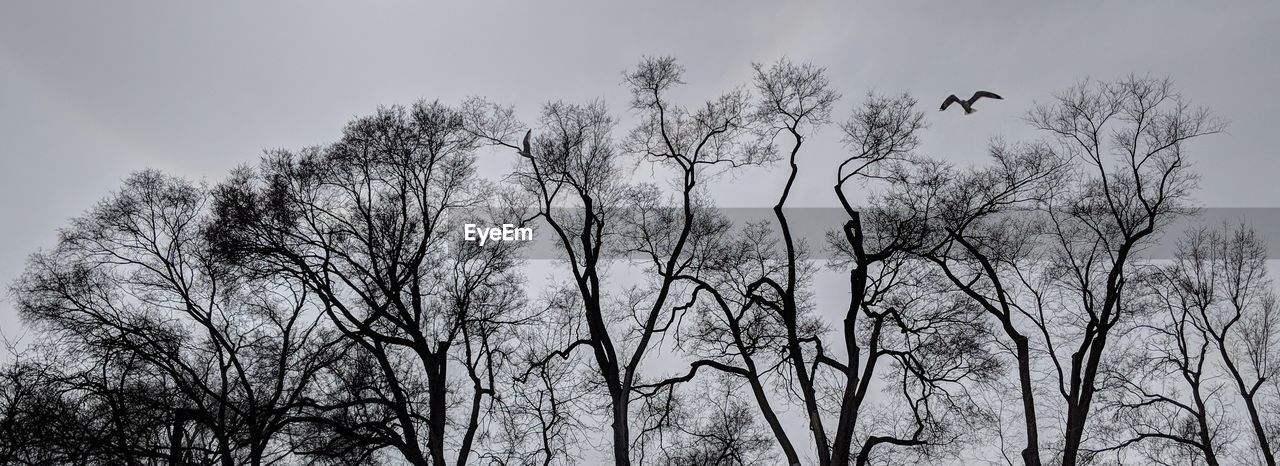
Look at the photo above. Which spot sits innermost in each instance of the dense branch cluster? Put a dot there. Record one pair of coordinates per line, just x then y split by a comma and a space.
322, 305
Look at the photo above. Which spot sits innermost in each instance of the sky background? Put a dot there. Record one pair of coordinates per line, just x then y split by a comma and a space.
92, 91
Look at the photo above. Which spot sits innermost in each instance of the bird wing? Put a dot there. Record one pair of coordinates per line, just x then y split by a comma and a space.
951, 99
981, 94
525, 144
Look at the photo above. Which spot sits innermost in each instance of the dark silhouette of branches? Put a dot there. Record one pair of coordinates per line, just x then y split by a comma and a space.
366, 225
323, 306
1056, 271
573, 162
134, 289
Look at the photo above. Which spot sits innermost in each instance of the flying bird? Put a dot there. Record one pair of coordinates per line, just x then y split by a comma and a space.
968, 104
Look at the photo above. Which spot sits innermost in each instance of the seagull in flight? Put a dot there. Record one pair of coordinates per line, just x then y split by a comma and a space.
968, 104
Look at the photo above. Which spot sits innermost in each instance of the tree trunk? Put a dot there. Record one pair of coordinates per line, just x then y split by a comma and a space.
1202, 419
1259, 431
472, 424
256, 452
438, 403
224, 451
810, 403
854, 388
1030, 454
175, 437
621, 434
1078, 413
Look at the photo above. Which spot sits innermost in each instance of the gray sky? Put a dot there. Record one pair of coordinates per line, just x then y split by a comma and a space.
90, 92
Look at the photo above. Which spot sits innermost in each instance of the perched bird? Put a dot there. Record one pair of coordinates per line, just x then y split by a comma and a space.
525, 144
968, 104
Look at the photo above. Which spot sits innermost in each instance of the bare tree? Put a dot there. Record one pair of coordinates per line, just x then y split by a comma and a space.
1129, 138
734, 336
51, 416
1164, 397
571, 168
896, 312
368, 225
573, 163
322, 305
755, 311
977, 245
1045, 239
1213, 330
134, 288
795, 100
1219, 283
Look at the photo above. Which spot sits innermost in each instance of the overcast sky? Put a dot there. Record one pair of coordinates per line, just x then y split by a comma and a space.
92, 91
